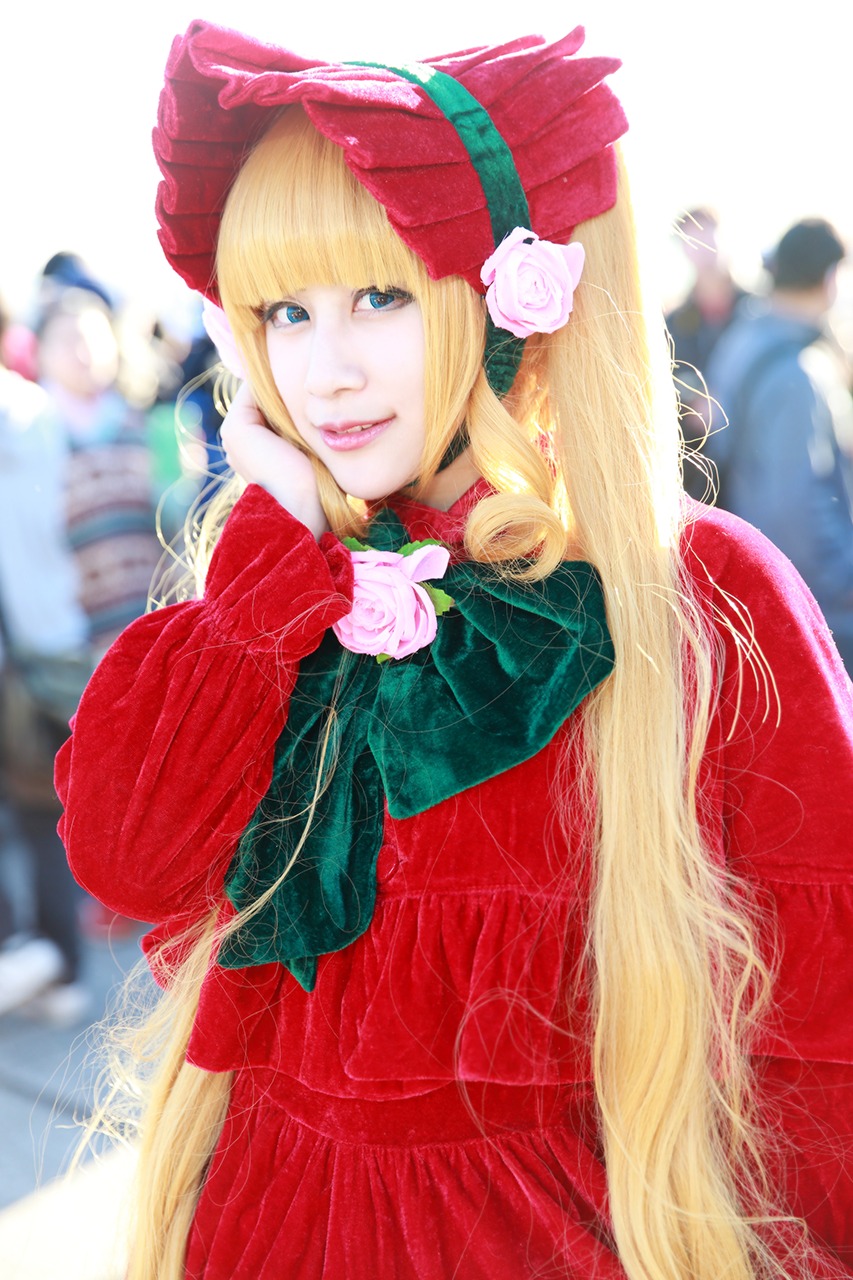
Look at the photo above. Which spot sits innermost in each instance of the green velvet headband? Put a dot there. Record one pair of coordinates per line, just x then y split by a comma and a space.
493, 163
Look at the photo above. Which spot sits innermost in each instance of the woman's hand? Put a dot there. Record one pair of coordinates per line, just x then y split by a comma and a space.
260, 456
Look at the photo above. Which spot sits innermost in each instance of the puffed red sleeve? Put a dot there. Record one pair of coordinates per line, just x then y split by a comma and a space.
783, 762
172, 744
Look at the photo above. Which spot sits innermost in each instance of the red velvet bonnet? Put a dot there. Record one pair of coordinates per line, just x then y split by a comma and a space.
551, 109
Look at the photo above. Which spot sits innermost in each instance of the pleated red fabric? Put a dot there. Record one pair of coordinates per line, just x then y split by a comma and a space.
444, 1190
552, 109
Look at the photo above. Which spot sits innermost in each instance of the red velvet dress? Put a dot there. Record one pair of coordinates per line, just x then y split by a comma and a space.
349, 1148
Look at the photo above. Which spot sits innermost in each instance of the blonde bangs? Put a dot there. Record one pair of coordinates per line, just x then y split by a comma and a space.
296, 217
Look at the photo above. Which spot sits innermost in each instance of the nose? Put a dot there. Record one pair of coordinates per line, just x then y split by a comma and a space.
333, 362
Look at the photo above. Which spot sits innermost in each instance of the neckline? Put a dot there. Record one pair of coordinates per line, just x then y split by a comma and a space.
423, 521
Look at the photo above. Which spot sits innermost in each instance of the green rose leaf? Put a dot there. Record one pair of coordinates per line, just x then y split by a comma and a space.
440, 599
409, 547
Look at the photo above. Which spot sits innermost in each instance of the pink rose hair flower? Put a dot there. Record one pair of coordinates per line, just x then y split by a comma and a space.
531, 283
392, 614
221, 335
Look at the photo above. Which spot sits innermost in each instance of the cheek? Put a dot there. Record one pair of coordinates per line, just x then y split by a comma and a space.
286, 374
289, 381
405, 355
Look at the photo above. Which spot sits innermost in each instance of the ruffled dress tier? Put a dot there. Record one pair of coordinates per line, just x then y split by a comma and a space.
426, 1110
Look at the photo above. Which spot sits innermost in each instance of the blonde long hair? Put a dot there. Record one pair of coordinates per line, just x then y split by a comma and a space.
583, 453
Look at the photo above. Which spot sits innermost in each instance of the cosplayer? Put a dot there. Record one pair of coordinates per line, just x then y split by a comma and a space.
492, 805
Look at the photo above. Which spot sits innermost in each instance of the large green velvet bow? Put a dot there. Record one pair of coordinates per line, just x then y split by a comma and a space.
509, 663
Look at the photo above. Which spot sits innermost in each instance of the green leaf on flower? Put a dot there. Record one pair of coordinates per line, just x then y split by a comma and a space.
411, 547
353, 544
440, 599
383, 657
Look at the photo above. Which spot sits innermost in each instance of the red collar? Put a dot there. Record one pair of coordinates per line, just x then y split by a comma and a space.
424, 521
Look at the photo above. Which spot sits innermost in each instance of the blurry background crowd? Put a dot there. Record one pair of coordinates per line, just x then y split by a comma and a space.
96, 481
96, 364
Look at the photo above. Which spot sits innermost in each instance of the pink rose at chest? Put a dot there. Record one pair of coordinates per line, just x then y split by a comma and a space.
392, 614
531, 283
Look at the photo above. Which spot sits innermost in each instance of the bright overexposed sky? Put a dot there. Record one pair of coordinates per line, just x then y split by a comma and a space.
730, 103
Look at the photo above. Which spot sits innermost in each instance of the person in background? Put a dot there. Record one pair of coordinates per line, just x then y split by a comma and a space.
67, 270
41, 617
695, 326
109, 495
783, 384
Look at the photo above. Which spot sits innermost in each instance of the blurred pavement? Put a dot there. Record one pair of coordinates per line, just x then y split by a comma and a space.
55, 1228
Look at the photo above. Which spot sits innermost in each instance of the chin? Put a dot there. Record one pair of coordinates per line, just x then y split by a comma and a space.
370, 493
374, 489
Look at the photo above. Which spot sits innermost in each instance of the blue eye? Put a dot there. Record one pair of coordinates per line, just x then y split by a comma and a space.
385, 299
284, 315
291, 313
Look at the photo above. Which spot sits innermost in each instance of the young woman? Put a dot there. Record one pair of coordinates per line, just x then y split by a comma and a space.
492, 806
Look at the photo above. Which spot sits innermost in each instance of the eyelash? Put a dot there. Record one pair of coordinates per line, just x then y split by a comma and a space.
399, 295
268, 313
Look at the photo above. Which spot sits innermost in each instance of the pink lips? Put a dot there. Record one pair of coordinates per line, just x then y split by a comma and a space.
343, 436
